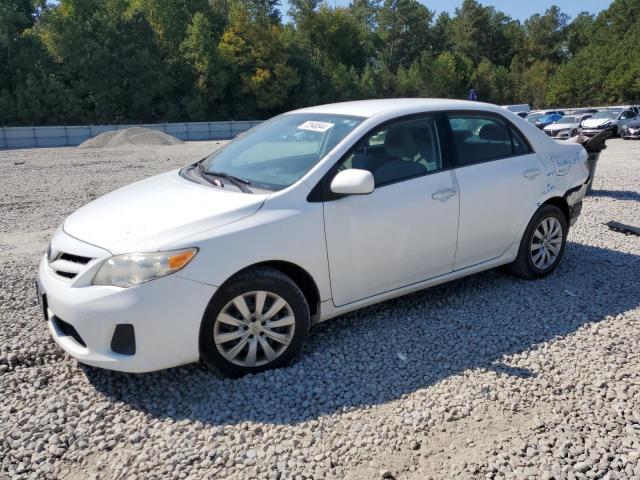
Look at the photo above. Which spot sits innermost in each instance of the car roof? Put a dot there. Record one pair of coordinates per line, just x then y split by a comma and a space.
547, 112
397, 107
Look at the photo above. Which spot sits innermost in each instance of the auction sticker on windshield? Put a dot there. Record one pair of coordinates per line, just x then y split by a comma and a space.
315, 126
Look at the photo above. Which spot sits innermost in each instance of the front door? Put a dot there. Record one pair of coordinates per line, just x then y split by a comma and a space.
405, 231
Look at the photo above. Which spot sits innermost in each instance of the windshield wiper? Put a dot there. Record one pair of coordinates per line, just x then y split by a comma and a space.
236, 181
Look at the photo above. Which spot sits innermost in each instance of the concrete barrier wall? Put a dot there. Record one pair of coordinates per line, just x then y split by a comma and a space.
33, 137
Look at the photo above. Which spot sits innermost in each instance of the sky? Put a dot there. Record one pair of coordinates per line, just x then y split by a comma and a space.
518, 9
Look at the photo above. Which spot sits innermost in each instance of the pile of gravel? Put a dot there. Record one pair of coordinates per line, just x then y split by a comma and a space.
486, 377
135, 136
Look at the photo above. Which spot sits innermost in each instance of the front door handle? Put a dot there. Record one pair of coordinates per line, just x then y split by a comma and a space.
533, 173
443, 195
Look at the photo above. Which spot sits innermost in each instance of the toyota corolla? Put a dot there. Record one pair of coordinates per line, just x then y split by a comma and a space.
312, 214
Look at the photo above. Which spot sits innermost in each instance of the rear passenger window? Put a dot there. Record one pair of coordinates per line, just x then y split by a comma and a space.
479, 139
520, 147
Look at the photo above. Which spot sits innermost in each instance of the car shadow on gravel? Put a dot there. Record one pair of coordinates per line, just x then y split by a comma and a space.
616, 194
391, 349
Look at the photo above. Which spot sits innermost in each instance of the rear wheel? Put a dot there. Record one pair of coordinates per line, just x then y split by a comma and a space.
257, 321
542, 244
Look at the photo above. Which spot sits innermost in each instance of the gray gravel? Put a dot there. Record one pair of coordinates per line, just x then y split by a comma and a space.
486, 377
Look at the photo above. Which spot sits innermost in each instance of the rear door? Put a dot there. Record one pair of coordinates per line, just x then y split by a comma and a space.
500, 180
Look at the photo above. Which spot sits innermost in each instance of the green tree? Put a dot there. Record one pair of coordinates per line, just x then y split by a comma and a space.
449, 76
200, 50
94, 61
479, 32
545, 37
579, 33
491, 82
534, 83
405, 32
257, 57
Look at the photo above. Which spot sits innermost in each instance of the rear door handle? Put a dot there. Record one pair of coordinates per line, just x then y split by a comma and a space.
444, 194
533, 173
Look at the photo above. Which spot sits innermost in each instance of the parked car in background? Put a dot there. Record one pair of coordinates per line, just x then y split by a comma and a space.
633, 108
609, 120
519, 109
233, 258
583, 111
542, 119
631, 130
565, 127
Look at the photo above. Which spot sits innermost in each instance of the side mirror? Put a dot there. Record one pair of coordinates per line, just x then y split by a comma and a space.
353, 182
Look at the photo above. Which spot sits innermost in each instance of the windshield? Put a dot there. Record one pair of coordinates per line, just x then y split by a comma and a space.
534, 117
612, 114
569, 120
280, 151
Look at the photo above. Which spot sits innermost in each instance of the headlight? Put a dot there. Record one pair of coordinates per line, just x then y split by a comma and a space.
605, 125
135, 268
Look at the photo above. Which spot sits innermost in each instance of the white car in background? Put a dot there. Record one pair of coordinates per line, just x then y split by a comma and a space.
566, 127
232, 259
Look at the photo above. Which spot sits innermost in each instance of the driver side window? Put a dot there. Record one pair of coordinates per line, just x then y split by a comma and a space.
398, 151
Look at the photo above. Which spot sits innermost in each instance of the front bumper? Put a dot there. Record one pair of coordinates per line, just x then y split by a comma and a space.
592, 132
559, 134
163, 315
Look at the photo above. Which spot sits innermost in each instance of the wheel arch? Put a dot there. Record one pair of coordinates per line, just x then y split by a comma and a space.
301, 277
558, 202
562, 204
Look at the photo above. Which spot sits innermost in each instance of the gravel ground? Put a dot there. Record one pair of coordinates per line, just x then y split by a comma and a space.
486, 377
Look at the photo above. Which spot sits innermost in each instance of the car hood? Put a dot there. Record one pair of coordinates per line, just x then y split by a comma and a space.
596, 122
561, 126
147, 215
634, 125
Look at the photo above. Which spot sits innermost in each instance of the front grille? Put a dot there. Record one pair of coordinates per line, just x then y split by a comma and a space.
69, 257
68, 265
67, 329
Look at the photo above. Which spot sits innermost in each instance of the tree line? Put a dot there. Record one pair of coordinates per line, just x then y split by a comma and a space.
130, 61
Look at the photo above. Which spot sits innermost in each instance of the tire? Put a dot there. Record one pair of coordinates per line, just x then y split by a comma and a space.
225, 326
524, 265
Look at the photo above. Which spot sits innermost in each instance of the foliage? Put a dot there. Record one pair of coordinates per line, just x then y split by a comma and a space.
106, 61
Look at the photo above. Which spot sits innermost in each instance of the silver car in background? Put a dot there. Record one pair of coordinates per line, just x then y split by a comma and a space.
611, 120
631, 130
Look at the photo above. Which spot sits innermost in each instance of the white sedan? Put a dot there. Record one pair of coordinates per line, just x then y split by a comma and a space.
314, 213
566, 127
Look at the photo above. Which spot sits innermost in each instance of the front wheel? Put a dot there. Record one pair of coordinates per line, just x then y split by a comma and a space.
542, 244
257, 321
